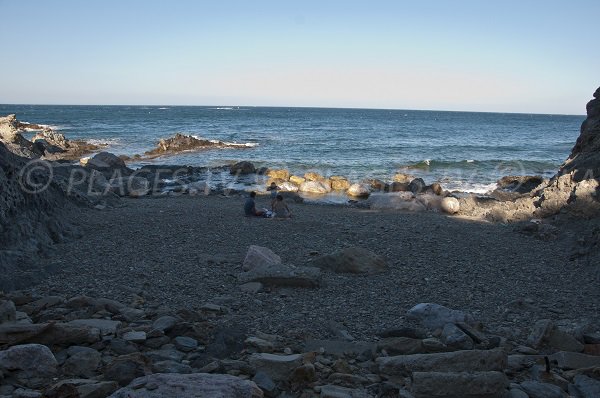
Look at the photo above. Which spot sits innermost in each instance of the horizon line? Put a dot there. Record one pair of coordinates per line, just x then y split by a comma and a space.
303, 107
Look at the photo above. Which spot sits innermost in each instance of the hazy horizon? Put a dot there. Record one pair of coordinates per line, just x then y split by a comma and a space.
293, 107
533, 57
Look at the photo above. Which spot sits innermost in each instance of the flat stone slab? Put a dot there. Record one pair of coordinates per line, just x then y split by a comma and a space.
172, 385
278, 367
105, 326
575, 360
340, 347
457, 361
283, 275
459, 384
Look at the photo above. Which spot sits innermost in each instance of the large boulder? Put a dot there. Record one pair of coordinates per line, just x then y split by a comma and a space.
278, 367
282, 275
242, 168
396, 201
171, 385
317, 187
339, 183
31, 365
450, 205
354, 260
519, 184
279, 174
435, 316
258, 256
359, 190
104, 161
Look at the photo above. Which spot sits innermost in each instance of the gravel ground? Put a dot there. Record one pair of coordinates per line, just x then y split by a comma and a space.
187, 251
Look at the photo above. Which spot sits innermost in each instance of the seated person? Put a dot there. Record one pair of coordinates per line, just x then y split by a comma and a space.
250, 206
280, 208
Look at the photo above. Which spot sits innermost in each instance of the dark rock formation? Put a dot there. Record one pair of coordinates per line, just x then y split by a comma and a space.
14, 141
48, 143
242, 168
31, 204
180, 143
575, 186
55, 146
519, 184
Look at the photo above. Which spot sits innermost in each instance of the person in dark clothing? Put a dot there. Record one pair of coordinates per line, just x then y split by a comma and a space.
250, 206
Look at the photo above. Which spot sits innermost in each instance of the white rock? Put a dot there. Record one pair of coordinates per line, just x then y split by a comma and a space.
450, 205
358, 190
319, 187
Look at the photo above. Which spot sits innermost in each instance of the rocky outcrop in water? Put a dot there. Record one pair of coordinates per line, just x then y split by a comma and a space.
181, 143
48, 143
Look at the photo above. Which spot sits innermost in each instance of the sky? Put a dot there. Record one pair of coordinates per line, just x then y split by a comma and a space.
506, 56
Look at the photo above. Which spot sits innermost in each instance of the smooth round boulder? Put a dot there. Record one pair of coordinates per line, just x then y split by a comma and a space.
315, 187
450, 205
281, 174
359, 190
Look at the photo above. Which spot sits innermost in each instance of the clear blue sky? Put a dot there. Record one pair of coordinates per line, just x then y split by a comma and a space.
510, 56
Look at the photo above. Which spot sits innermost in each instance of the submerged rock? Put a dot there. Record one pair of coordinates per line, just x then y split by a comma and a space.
242, 168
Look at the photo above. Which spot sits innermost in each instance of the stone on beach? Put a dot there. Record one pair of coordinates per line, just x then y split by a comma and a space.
171, 385
32, 365
282, 275
318, 187
257, 256
105, 160
492, 384
457, 361
435, 316
280, 174
339, 183
450, 205
354, 260
278, 367
359, 190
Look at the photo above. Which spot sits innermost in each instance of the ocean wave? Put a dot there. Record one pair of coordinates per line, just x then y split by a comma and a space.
469, 187
493, 164
40, 126
232, 144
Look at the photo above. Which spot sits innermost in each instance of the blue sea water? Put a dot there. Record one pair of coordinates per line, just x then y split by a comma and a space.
462, 150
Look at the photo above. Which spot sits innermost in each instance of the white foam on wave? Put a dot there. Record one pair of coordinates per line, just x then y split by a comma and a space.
469, 187
470, 160
232, 144
164, 108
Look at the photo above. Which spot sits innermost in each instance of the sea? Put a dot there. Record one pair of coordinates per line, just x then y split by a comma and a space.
464, 151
